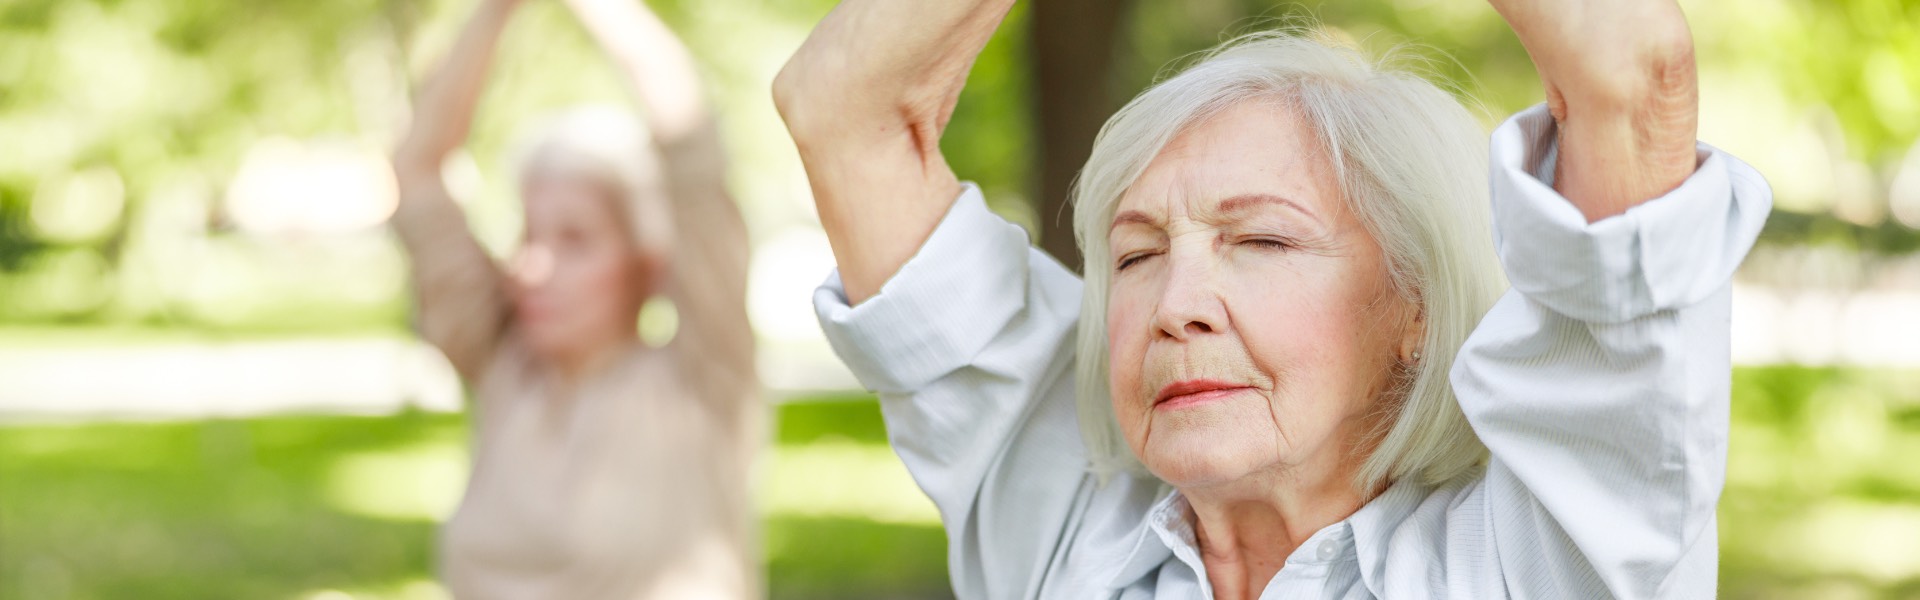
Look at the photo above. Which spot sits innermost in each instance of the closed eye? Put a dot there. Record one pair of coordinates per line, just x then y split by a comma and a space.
1266, 243
1132, 259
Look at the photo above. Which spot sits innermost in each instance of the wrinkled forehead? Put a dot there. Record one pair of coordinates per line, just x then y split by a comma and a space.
1251, 148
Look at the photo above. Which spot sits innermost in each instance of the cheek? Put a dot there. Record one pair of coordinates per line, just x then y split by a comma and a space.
1313, 322
1288, 313
1129, 330
611, 278
597, 276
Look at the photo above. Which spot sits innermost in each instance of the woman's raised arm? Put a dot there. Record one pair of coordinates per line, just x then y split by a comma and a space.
708, 277
1600, 382
866, 98
1621, 86
656, 65
463, 306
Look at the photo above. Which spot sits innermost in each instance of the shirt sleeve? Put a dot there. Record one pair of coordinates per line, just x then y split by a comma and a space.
1600, 381
708, 279
461, 306
970, 347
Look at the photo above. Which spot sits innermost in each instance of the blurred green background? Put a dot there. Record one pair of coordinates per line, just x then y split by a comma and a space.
194, 271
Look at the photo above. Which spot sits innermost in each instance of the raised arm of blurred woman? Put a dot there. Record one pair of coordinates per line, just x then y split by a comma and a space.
707, 280
866, 98
463, 304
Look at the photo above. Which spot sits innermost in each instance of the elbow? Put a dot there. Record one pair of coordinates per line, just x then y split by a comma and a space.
832, 101
795, 95
415, 160
822, 98
427, 144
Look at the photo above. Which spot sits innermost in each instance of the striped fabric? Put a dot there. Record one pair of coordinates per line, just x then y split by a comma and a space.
1599, 382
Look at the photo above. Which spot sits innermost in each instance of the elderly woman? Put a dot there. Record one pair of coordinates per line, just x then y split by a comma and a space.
1296, 372
603, 467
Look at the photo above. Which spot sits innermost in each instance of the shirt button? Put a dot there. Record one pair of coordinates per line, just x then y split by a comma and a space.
1327, 550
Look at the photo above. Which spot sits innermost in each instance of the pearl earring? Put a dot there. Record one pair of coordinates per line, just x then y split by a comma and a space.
1416, 356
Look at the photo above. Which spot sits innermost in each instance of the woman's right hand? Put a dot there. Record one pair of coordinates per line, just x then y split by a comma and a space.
866, 99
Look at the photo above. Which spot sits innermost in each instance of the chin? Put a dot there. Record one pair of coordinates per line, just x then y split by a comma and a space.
1185, 455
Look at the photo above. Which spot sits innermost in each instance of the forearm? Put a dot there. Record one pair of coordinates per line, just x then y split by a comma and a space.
874, 231
1617, 153
866, 99
709, 290
444, 106
1620, 82
656, 64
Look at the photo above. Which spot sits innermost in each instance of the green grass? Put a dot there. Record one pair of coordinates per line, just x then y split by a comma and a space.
1823, 485
1823, 501
285, 507
214, 509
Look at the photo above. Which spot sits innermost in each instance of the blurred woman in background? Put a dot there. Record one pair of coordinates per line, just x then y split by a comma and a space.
602, 467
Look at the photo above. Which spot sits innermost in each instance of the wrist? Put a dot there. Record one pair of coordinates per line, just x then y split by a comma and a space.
1615, 155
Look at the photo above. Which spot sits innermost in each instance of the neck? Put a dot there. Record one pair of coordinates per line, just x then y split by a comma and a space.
572, 367
1247, 528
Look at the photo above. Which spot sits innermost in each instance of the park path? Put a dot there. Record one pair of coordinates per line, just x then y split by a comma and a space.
224, 379
195, 380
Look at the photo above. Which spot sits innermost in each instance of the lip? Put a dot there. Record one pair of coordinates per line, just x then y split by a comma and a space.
1194, 391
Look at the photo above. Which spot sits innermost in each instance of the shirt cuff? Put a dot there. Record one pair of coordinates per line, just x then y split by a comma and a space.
1666, 253
944, 305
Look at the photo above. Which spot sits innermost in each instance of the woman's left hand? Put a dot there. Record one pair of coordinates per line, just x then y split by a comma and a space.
1620, 82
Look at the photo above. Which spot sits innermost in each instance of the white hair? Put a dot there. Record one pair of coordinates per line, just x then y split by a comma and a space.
611, 147
1411, 162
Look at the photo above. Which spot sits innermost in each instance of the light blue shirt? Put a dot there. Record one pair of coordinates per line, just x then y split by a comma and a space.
1599, 383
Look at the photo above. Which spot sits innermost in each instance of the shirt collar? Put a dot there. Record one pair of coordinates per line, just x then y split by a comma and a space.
1147, 546
1166, 531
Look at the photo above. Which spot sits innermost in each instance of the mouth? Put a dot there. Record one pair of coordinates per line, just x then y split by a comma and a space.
1195, 391
534, 310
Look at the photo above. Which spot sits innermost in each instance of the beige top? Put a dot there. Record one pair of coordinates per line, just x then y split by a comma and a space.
632, 484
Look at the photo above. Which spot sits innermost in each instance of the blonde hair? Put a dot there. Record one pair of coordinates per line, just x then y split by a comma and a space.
612, 147
1411, 162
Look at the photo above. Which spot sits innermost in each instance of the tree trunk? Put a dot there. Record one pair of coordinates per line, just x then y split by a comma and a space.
1073, 44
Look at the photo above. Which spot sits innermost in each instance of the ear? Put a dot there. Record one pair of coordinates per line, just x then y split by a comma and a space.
651, 274
1414, 336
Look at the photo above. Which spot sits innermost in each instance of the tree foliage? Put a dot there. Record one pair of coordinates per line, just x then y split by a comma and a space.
152, 106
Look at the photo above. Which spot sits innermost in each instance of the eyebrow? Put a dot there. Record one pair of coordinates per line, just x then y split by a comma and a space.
1245, 201
1132, 216
1233, 204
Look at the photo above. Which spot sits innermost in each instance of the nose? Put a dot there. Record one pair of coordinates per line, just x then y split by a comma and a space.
1189, 304
532, 266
